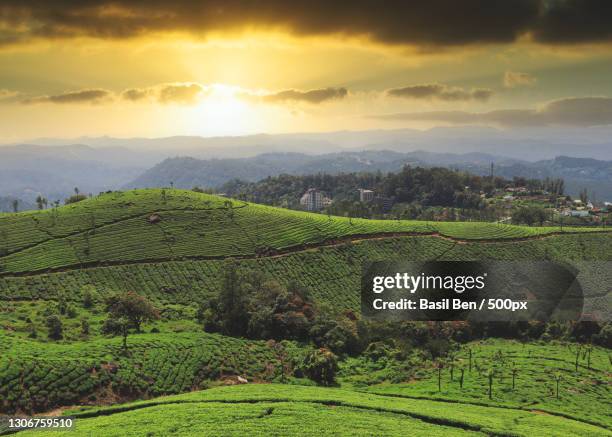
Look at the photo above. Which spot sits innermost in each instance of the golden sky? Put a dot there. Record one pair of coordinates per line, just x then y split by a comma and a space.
136, 68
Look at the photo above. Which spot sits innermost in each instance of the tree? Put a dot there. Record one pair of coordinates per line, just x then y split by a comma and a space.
490, 376
232, 301
54, 327
514, 373
577, 357
529, 215
470, 359
589, 349
128, 311
15, 205
321, 366
87, 299
135, 308
41, 202
462, 370
440, 365
75, 198
84, 327
558, 379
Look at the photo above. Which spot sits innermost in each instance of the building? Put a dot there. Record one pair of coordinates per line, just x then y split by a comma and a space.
314, 200
366, 195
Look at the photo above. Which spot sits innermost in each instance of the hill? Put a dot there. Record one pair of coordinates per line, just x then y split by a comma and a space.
188, 172
27, 171
166, 225
288, 410
170, 245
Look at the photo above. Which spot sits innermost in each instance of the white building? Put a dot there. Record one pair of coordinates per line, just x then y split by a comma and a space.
312, 200
366, 195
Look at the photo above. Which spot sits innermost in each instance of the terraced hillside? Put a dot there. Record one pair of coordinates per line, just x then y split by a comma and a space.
163, 225
524, 377
294, 410
37, 376
171, 246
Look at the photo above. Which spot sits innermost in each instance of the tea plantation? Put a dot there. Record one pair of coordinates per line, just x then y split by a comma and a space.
155, 225
170, 246
272, 409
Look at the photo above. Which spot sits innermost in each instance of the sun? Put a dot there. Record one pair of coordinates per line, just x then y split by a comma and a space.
222, 112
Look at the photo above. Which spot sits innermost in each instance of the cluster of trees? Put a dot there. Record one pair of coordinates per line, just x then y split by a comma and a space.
428, 186
254, 306
414, 191
126, 312
530, 215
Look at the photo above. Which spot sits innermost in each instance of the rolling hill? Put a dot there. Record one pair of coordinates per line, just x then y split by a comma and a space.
170, 245
188, 172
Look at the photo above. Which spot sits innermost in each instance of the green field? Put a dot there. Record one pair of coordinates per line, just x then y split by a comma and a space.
115, 228
171, 246
295, 410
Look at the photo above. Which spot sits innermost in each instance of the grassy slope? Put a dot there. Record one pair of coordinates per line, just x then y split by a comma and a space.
114, 228
39, 376
292, 410
332, 273
536, 364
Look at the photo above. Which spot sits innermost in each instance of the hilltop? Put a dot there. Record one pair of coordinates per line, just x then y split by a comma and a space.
170, 245
166, 225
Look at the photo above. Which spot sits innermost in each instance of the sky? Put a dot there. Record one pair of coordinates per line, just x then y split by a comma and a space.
235, 67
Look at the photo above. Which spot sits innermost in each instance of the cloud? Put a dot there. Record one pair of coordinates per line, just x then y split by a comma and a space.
185, 93
436, 91
432, 23
514, 78
136, 94
182, 93
574, 111
7, 94
315, 96
81, 96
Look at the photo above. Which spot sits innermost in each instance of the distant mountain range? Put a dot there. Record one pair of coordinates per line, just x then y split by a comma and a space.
529, 144
6, 204
187, 172
29, 170
53, 167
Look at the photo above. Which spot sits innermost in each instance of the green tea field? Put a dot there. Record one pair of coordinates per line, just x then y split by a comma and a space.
59, 267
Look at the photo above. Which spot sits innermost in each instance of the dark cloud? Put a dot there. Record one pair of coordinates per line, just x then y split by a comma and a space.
432, 23
81, 96
436, 91
576, 111
311, 96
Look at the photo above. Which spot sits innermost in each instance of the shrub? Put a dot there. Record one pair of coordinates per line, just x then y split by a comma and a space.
55, 328
321, 366
75, 198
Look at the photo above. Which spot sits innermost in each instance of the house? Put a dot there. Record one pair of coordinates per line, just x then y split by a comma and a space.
581, 213
365, 195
